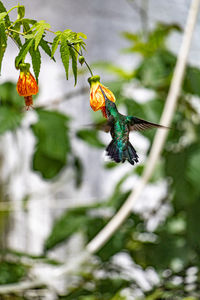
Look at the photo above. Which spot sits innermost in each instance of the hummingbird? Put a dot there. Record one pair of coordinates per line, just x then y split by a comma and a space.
120, 149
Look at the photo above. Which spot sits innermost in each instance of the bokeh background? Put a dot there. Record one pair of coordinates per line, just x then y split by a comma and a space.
47, 218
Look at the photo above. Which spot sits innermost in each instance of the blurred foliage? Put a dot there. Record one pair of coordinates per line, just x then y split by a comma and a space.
172, 248
106, 289
11, 113
11, 272
90, 136
53, 143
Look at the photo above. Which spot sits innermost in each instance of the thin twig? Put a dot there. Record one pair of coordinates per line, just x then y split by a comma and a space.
87, 65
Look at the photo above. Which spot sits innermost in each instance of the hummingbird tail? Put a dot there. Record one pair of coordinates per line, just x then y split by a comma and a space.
131, 154
119, 155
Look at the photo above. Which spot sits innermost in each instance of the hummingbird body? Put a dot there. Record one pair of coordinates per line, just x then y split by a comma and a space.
120, 149
119, 126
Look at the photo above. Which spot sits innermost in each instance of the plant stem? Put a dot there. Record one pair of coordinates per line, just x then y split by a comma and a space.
18, 32
87, 65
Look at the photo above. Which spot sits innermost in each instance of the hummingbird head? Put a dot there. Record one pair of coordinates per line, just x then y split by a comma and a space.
109, 104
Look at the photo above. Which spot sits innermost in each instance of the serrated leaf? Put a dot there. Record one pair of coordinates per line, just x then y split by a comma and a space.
39, 35
84, 36
25, 24
36, 60
44, 45
74, 63
15, 35
40, 27
65, 54
67, 32
23, 51
20, 12
7, 19
3, 43
55, 44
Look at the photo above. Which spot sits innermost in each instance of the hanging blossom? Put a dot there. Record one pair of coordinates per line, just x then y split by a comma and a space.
97, 101
26, 85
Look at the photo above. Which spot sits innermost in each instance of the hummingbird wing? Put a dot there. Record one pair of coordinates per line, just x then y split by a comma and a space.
105, 125
140, 124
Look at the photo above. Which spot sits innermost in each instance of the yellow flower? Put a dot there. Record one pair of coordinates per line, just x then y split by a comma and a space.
97, 100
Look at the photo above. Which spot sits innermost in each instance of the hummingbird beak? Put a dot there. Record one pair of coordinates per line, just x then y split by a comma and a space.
104, 95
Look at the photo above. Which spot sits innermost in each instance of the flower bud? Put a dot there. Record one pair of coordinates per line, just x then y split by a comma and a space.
81, 59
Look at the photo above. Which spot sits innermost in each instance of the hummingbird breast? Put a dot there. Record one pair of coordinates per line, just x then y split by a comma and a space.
120, 133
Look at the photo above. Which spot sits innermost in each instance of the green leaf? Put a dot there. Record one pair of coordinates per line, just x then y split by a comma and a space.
193, 169
74, 63
36, 60
156, 39
92, 287
10, 98
7, 19
191, 81
176, 167
81, 34
23, 52
3, 43
65, 54
90, 137
113, 69
156, 71
69, 223
9, 119
10, 108
20, 12
53, 143
40, 28
2, 16
26, 24
15, 35
44, 45
11, 272
55, 44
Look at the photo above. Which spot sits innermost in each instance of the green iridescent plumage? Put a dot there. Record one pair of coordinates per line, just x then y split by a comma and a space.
119, 126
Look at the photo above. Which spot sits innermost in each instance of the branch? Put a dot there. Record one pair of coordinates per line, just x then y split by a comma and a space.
160, 137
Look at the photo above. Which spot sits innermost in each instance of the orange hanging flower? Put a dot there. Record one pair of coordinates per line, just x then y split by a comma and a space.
97, 100
26, 85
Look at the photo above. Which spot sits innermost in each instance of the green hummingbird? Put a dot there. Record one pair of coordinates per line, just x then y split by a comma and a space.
119, 126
